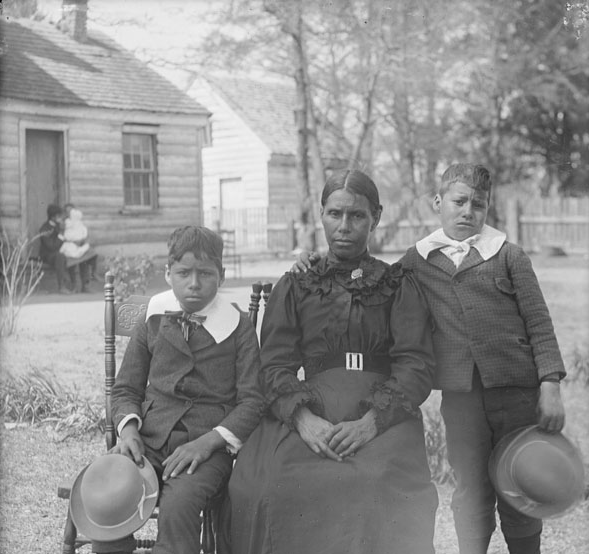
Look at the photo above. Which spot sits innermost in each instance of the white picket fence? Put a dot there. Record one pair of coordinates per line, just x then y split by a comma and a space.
535, 224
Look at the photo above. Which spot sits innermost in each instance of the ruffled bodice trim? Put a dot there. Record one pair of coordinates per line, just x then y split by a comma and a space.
370, 281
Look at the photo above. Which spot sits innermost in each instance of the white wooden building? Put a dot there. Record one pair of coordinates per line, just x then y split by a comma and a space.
249, 172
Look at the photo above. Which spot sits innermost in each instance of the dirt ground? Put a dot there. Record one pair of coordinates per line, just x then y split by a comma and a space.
64, 336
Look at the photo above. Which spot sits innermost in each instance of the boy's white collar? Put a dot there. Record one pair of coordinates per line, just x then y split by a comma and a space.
222, 317
488, 244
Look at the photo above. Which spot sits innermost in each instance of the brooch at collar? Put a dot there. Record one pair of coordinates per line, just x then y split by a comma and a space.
357, 273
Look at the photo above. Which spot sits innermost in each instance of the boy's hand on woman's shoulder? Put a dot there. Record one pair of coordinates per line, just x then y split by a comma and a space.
191, 454
304, 261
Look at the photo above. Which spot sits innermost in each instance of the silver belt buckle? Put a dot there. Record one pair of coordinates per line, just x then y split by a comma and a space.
354, 361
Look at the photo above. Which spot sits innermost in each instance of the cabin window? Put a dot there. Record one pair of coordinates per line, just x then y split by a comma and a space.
139, 170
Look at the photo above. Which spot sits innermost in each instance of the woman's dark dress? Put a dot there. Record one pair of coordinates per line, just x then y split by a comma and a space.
287, 500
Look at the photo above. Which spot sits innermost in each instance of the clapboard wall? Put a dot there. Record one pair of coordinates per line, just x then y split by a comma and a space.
94, 168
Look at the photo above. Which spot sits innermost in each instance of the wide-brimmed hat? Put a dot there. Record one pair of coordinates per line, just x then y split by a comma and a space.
113, 497
540, 474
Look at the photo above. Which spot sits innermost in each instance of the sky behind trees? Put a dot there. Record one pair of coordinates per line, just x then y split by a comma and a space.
406, 87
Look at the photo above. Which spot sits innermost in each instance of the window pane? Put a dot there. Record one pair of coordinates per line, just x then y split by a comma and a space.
127, 189
138, 170
147, 160
146, 190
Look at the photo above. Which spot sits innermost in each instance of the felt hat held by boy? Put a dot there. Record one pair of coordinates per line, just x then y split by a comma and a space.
113, 497
538, 473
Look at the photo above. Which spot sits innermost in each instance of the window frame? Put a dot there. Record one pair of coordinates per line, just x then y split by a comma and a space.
150, 133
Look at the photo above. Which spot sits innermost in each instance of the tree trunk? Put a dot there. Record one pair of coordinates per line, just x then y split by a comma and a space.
308, 159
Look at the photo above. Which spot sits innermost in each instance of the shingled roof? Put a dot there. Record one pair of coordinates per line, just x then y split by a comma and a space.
267, 107
41, 63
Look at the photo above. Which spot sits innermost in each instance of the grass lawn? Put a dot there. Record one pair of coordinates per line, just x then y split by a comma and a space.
65, 340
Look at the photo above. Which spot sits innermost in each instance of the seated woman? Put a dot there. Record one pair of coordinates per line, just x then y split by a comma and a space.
338, 464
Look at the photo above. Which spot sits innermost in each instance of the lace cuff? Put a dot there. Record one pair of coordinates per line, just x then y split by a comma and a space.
390, 404
285, 407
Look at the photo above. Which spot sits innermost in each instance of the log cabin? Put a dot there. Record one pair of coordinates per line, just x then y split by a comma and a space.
84, 121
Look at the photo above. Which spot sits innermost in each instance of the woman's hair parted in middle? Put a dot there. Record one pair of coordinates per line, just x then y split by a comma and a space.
356, 182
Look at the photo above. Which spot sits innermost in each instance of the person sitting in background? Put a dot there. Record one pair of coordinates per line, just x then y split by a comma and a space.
75, 234
51, 242
76, 246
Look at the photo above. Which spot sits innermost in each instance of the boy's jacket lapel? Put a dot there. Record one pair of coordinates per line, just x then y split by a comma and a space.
472, 259
171, 331
441, 261
204, 340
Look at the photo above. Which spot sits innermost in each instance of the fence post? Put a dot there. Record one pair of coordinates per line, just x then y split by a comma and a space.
512, 220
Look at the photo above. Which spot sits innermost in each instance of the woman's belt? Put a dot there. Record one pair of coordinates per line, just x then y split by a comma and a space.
352, 361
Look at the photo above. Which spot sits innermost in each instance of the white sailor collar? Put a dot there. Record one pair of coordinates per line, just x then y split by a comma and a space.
488, 243
222, 318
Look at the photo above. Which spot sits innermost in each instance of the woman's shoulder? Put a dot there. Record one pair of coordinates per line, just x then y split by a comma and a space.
372, 281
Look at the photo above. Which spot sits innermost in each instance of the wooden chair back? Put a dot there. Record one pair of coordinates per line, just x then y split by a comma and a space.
120, 319
259, 291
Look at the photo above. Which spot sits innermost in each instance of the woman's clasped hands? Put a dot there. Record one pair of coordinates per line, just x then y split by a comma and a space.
338, 441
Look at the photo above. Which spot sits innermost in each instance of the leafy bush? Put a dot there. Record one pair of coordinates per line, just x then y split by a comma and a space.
577, 366
38, 398
435, 446
132, 274
19, 276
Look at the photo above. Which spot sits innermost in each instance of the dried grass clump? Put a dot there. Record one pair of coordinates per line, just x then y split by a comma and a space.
37, 398
19, 276
577, 366
435, 447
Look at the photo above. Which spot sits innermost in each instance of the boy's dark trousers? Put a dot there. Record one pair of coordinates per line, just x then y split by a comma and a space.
475, 421
58, 261
181, 501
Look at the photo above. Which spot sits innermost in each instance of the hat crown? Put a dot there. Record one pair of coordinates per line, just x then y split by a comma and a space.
111, 489
544, 473
540, 474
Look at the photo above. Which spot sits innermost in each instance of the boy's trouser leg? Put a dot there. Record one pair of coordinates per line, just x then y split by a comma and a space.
84, 270
524, 545
181, 501
508, 409
475, 422
58, 261
473, 546
73, 274
92, 262
469, 443
122, 546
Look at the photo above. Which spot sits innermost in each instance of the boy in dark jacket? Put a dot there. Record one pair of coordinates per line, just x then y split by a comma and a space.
187, 395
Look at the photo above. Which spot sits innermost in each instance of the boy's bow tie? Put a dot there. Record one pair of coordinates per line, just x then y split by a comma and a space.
188, 322
456, 250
